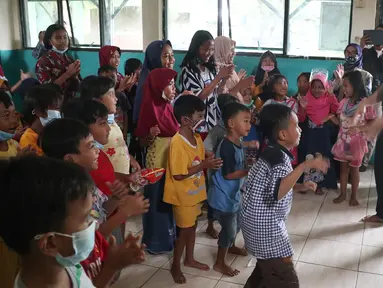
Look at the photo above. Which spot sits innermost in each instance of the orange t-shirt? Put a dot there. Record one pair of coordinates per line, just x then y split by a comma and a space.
30, 138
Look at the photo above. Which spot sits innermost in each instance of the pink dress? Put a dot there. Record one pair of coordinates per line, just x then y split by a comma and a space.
350, 147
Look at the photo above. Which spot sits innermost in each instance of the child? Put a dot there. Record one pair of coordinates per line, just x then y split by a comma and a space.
351, 146
224, 191
316, 110
42, 105
185, 183
303, 82
268, 197
52, 232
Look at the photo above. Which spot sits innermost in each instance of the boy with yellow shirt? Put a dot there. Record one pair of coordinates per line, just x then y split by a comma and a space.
185, 181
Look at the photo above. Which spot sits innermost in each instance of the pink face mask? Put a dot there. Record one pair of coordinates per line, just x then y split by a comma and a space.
267, 68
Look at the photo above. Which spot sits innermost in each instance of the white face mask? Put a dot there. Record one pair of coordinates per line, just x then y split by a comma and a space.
52, 115
110, 118
59, 51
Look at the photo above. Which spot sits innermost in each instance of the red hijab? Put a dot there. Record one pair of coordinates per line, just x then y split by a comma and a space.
106, 53
154, 109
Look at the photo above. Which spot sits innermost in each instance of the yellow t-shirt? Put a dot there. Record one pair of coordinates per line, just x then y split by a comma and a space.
182, 156
12, 150
30, 138
117, 150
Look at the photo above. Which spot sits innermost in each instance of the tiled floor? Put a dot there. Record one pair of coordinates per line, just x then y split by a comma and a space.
332, 248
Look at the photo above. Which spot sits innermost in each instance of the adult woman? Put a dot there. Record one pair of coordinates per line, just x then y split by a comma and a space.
224, 56
56, 66
200, 76
267, 67
159, 225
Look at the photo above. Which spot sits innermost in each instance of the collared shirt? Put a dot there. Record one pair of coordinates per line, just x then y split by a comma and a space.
263, 216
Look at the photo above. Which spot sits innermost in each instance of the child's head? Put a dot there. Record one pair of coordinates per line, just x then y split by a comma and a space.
108, 71
100, 89
189, 111
56, 37
43, 103
303, 82
247, 96
354, 86
70, 140
280, 124
279, 85
236, 118
318, 88
110, 55
48, 200
133, 66
224, 99
93, 114
8, 117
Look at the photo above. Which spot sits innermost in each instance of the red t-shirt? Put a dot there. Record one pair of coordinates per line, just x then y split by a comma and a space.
103, 174
93, 264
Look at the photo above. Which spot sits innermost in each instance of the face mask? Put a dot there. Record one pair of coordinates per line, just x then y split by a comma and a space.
110, 118
4, 136
197, 126
267, 68
351, 59
250, 104
59, 51
98, 145
52, 115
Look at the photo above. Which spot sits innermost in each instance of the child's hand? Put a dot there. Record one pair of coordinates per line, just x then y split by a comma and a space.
246, 82
29, 150
302, 102
265, 79
134, 164
224, 72
132, 205
118, 189
128, 253
318, 163
310, 186
242, 74
74, 68
212, 163
154, 131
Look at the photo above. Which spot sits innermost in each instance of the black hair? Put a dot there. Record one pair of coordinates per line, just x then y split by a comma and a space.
49, 33
96, 87
63, 136
191, 59
231, 110
37, 192
86, 111
131, 65
304, 74
39, 98
5, 99
106, 69
40, 33
86, 83
273, 119
358, 85
274, 80
224, 99
186, 106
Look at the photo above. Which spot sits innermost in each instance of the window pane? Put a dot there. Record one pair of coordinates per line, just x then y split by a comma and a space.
319, 28
124, 24
85, 21
255, 24
38, 16
185, 17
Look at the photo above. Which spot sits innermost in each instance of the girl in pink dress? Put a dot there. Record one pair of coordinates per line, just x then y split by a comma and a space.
351, 146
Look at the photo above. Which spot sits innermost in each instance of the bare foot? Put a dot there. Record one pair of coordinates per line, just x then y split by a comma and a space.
177, 275
238, 251
354, 202
226, 270
319, 191
210, 230
372, 219
198, 265
339, 199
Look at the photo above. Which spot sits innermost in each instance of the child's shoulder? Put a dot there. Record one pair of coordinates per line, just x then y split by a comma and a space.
273, 156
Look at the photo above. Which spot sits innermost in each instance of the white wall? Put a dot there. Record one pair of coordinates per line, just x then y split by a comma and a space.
10, 30
362, 18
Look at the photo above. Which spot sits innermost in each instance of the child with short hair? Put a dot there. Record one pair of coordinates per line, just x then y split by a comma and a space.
185, 182
268, 197
303, 83
52, 232
224, 190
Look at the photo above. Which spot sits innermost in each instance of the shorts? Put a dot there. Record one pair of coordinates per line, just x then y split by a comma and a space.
229, 222
273, 273
186, 216
353, 163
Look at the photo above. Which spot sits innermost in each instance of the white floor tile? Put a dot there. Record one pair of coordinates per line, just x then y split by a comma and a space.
298, 243
303, 206
204, 239
298, 225
371, 260
362, 196
373, 235
222, 284
134, 276
310, 196
366, 280
134, 224
342, 213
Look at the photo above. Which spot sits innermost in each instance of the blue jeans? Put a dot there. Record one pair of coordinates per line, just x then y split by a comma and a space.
230, 227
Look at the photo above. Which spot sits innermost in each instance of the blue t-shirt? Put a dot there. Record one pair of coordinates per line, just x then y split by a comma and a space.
224, 195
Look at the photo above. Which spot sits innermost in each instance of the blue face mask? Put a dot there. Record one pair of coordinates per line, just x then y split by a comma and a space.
52, 115
4, 136
59, 51
98, 145
110, 118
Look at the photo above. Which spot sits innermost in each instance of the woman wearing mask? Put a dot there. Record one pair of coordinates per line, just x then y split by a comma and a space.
56, 66
200, 76
224, 56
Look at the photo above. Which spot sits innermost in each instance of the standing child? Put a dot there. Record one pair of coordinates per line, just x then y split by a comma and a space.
268, 198
185, 182
351, 146
224, 191
303, 82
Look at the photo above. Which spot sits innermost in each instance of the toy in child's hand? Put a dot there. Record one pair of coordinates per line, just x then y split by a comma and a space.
147, 176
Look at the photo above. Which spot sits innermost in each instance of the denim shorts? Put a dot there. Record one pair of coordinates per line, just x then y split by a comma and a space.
230, 227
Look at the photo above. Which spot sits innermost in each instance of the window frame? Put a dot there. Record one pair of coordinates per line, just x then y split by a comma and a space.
284, 48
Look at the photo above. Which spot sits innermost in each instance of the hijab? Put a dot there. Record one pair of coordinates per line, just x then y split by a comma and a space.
152, 61
353, 63
259, 73
155, 110
106, 53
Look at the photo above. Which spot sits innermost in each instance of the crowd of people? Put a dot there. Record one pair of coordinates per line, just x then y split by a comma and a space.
235, 145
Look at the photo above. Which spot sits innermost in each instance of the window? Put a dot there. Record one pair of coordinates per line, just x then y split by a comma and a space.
185, 17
